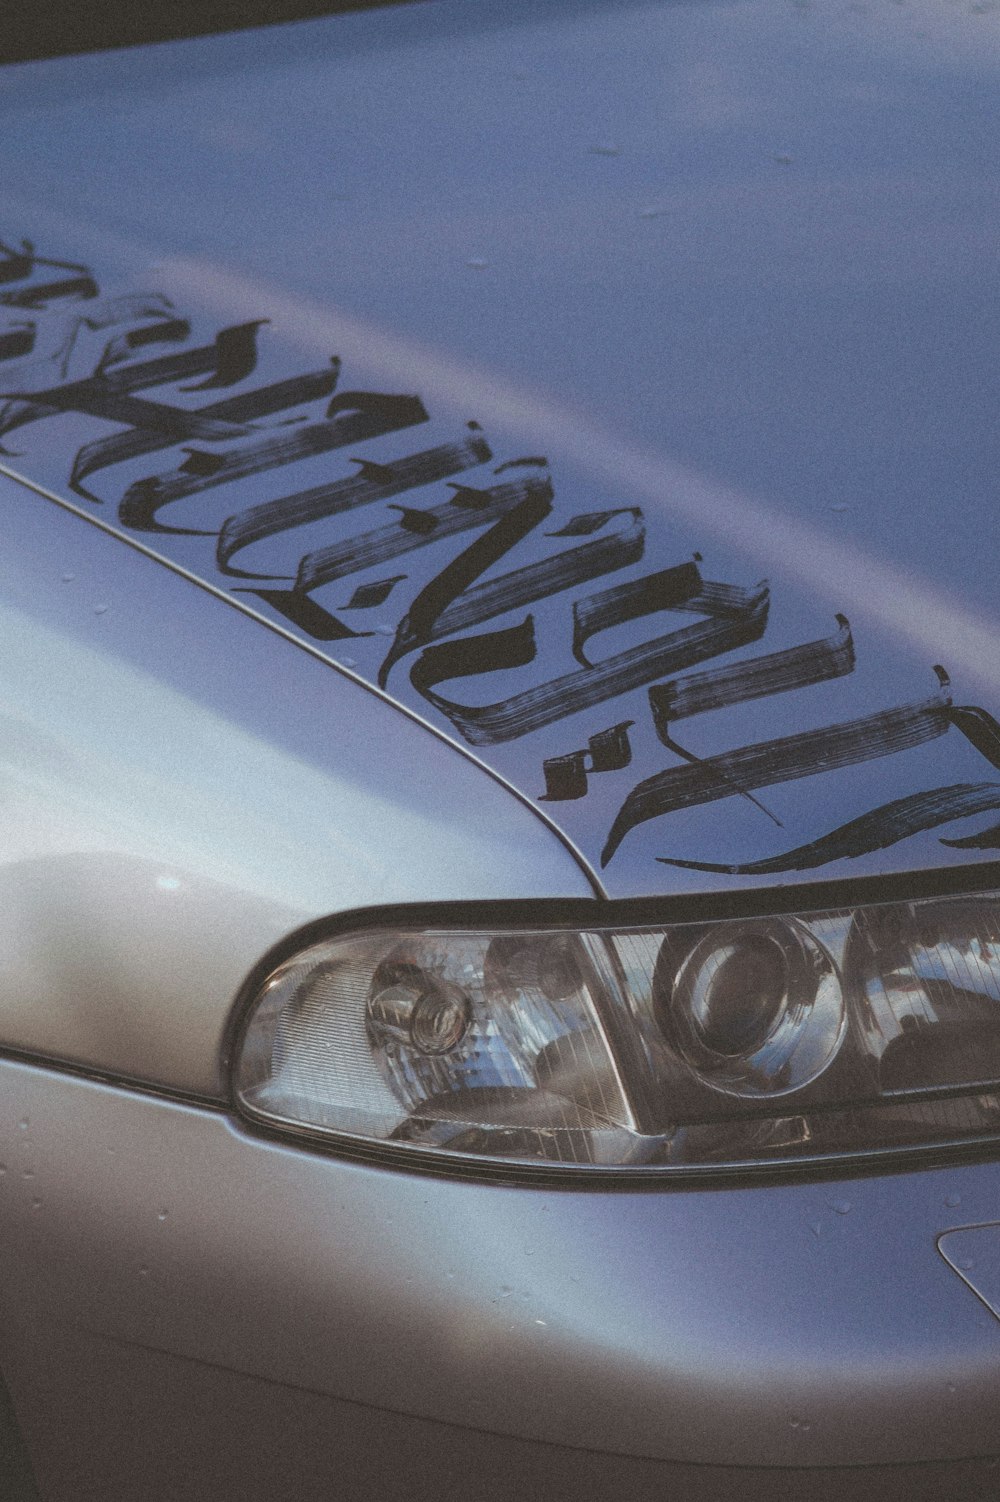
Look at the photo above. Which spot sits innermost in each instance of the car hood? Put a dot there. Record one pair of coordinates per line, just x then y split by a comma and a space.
610, 386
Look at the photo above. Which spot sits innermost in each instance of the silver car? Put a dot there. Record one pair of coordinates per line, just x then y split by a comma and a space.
500, 966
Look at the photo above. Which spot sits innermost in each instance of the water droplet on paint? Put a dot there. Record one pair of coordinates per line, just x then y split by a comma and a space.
477, 263
841, 1207
100, 609
953, 1201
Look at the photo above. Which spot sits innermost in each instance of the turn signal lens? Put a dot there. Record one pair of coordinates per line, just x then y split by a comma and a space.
741, 1042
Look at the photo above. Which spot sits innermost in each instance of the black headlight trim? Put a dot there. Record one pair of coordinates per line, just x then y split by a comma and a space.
592, 914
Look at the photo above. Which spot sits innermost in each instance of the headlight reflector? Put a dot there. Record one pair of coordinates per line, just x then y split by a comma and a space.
755, 1009
740, 1042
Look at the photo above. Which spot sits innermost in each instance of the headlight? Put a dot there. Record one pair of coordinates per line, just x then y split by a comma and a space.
740, 1042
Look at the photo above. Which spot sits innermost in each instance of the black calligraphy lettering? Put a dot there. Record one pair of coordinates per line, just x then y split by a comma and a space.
566, 776
467, 508
352, 417
309, 617
531, 709
755, 678
444, 606
622, 545
373, 482
109, 394
783, 760
40, 294
20, 266
980, 730
16, 265
201, 468
877, 830
367, 596
669, 589
427, 610
17, 341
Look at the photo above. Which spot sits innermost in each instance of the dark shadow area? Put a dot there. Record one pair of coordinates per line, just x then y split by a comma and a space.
16, 1483
36, 30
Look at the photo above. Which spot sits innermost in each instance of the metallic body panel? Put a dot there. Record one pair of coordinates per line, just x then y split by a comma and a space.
728, 266
177, 797
974, 1253
731, 266
798, 1325
281, 1442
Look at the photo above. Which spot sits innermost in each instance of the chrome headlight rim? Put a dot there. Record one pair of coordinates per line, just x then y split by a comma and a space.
750, 905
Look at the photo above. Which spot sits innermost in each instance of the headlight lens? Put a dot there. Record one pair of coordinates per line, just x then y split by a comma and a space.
742, 1042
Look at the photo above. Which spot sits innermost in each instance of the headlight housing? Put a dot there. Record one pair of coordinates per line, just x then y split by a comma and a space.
687, 1046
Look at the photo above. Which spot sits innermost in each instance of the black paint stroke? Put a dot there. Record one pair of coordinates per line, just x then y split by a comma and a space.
424, 618
986, 839
980, 730
303, 611
566, 776
716, 598
735, 787
374, 482
875, 830
668, 589
142, 500
586, 523
39, 294
444, 606
755, 678
784, 760
467, 508
529, 461
16, 265
352, 417
367, 596
166, 330
20, 265
109, 393
17, 341
619, 547
533, 708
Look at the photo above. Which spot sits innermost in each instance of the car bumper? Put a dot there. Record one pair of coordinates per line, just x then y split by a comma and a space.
189, 1311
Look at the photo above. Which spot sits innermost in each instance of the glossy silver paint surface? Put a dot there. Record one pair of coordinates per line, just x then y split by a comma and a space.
796, 1325
726, 269
180, 794
732, 265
